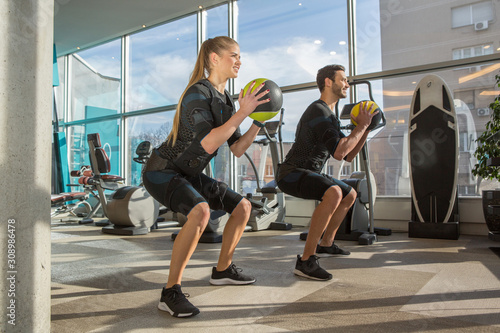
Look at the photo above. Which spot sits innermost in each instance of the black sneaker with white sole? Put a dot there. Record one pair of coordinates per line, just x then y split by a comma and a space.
231, 275
175, 302
334, 249
310, 269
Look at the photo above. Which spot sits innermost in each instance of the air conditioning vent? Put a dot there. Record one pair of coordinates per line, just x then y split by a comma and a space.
481, 25
483, 112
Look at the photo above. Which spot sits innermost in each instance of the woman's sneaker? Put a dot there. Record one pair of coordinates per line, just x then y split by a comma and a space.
310, 269
334, 249
174, 302
232, 275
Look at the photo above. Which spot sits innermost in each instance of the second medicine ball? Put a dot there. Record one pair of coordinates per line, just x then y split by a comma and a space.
375, 120
267, 110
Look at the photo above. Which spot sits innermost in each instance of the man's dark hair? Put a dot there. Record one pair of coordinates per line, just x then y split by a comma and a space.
327, 72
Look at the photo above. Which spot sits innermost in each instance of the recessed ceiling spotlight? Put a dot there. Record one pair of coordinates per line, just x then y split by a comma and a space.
78, 47
333, 53
200, 7
300, 3
317, 42
143, 25
342, 42
486, 46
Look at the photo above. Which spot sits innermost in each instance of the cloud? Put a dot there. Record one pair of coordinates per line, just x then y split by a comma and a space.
288, 63
159, 80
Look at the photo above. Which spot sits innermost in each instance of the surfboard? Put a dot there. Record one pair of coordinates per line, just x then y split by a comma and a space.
433, 151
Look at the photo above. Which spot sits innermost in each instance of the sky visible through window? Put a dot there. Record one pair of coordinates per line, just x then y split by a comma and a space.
286, 41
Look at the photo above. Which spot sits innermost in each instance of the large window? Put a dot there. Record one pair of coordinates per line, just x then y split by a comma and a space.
476, 13
419, 32
288, 42
472, 51
95, 81
110, 140
161, 60
151, 127
389, 148
216, 21
369, 20
95, 84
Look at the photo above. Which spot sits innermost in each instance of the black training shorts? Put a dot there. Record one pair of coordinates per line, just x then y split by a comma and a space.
306, 184
181, 193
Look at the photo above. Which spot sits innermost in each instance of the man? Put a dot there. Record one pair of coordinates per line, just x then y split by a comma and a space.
318, 137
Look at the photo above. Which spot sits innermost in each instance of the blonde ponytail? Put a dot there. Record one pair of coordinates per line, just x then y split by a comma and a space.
201, 71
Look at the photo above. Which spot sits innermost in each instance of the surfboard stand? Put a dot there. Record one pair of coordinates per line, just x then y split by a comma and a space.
448, 230
433, 229
494, 236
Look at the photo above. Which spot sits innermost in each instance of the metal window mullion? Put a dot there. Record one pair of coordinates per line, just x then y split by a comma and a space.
66, 99
201, 28
351, 46
67, 90
67, 106
232, 28
232, 19
124, 156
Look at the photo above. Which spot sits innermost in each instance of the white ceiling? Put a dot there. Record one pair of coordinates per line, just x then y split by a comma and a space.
84, 23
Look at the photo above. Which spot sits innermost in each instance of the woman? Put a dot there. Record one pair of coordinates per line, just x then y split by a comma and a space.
205, 119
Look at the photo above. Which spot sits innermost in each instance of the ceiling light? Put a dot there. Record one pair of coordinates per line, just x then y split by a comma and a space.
477, 74
78, 47
143, 25
200, 7
396, 93
396, 108
317, 42
342, 42
489, 93
486, 46
333, 53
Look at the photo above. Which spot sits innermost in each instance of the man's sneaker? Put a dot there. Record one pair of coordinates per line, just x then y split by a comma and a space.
232, 275
334, 249
310, 269
174, 302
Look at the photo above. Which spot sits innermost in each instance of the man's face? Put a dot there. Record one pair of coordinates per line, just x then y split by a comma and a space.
340, 85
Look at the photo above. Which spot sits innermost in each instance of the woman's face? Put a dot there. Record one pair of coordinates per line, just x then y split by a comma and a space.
228, 63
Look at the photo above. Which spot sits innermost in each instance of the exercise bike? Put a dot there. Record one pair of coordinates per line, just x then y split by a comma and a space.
268, 205
130, 210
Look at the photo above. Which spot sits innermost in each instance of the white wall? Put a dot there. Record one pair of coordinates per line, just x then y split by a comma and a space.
394, 213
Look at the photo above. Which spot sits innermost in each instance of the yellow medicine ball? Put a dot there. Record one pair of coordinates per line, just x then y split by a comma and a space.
372, 106
267, 110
